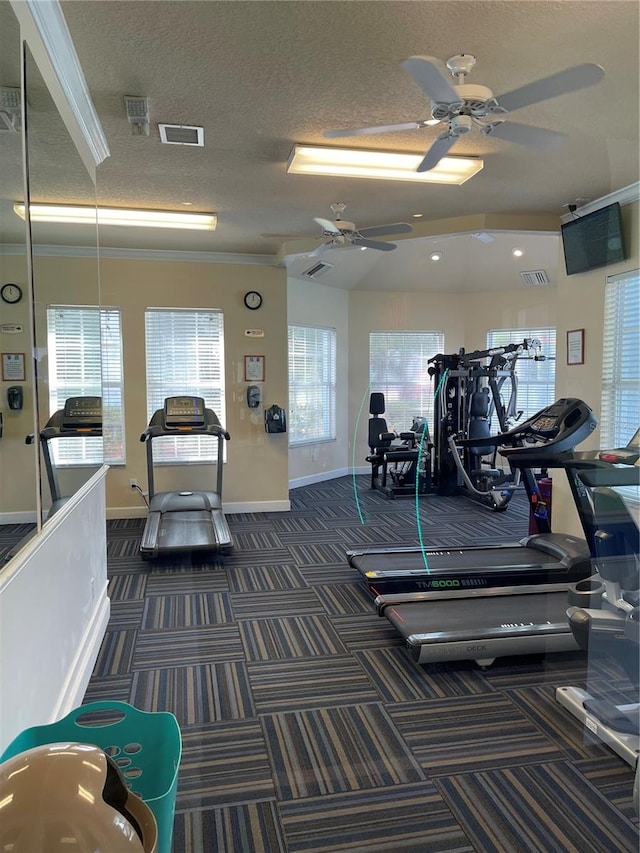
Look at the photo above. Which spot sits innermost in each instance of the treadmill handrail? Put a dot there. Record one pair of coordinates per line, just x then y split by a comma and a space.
214, 430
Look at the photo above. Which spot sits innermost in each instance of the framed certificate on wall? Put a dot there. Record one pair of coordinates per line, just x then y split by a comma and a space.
254, 368
575, 346
13, 366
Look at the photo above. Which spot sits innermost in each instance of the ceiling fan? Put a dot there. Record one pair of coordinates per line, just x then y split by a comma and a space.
463, 105
340, 233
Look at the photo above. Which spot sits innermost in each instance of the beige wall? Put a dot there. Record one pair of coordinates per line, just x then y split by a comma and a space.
17, 460
581, 306
314, 304
256, 468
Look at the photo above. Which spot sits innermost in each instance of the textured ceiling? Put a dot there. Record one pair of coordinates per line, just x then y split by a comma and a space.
260, 76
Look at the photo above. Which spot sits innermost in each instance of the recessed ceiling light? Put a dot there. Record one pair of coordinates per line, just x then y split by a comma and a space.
436, 256
417, 215
517, 253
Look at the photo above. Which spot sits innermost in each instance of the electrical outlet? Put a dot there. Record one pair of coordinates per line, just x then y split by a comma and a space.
133, 483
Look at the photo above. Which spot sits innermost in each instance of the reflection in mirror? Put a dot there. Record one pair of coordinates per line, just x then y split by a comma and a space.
17, 461
68, 321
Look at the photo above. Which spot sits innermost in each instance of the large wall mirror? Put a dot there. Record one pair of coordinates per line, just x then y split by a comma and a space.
17, 462
66, 288
51, 343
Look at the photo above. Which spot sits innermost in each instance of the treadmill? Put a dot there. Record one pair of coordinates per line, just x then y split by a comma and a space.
544, 557
484, 624
184, 521
80, 417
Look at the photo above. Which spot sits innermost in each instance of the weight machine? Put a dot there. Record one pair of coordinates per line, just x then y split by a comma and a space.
470, 390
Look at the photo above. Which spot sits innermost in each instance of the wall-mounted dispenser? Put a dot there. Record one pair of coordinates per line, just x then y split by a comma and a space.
15, 397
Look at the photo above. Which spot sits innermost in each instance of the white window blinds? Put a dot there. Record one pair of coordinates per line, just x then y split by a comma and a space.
85, 359
398, 367
536, 379
620, 413
185, 355
312, 384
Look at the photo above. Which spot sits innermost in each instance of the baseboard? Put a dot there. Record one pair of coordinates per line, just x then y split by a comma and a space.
327, 475
76, 686
25, 517
232, 508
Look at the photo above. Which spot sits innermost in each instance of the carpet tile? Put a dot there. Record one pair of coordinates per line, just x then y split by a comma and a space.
185, 583
265, 578
184, 646
314, 683
334, 750
409, 818
126, 587
539, 807
470, 733
195, 694
250, 828
397, 679
294, 637
224, 764
296, 602
306, 726
163, 612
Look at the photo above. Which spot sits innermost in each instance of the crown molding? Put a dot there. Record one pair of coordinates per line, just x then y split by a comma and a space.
626, 195
44, 28
140, 254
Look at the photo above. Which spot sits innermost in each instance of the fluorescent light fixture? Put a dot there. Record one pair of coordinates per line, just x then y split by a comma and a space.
381, 165
118, 216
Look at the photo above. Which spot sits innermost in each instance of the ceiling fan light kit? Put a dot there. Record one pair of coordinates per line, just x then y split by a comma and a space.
379, 165
466, 105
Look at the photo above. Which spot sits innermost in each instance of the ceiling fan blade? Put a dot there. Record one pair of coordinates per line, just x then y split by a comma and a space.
569, 80
430, 74
436, 152
366, 131
524, 134
327, 225
381, 230
373, 244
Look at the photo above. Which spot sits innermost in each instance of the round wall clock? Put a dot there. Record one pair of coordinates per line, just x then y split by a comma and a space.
252, 299
11, 293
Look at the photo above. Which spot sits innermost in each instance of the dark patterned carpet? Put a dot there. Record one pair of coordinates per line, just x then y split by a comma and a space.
307, 728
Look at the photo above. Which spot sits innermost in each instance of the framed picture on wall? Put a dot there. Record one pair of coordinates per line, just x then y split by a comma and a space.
13, 366
575, 346
254, 368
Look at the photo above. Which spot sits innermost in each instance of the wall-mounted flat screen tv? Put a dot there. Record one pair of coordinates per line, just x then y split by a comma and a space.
593, 240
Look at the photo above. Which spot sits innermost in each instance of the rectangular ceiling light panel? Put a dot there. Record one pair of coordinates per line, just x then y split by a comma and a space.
118, 216
380, 165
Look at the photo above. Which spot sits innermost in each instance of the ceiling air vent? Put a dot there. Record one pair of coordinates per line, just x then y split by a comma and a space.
181, 134
535, 277
317, 270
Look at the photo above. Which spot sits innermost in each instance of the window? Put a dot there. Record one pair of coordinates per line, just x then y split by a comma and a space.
85, 359
398, 367
536, 379
185, 355
312, 384
620, 414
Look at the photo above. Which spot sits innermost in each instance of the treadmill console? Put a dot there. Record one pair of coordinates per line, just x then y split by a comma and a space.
81, 414
556, 428
184, 412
